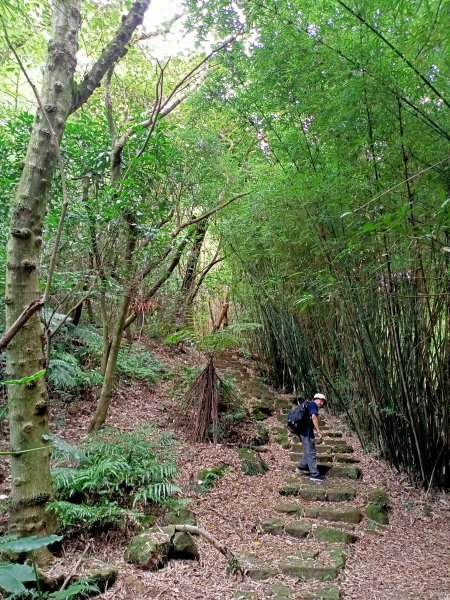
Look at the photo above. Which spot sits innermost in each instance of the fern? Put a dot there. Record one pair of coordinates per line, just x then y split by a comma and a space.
116, 472
139, 364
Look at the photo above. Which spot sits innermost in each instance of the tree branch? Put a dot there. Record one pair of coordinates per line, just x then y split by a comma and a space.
115, 50
208, 214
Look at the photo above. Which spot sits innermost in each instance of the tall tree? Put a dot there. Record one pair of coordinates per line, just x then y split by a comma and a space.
31, 486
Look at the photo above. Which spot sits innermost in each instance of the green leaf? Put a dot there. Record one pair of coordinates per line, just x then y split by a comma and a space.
13, 575
74, 590
28, 544
27, 379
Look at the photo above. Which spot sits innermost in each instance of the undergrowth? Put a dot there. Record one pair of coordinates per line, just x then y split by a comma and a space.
119, 477
75, 362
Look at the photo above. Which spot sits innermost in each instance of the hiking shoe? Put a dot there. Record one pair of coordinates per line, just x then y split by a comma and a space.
317, 478
304, 470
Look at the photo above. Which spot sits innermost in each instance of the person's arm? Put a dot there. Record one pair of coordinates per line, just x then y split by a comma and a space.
315, 421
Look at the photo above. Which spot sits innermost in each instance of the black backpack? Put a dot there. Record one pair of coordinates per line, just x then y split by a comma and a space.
298, 417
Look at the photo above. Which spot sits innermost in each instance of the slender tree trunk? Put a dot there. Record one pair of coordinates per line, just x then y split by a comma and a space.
31, 486
108, 382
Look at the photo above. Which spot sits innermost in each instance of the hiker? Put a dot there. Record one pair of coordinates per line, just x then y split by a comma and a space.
308, 462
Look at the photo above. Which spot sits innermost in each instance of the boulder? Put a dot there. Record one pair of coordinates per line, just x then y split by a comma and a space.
184, 546
150, 549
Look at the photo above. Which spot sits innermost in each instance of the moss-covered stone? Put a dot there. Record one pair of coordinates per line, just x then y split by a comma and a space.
184, 546
287, 508
180, 516
273, 525
307, 570
329, 514
348, 472
378, 496
377, 506
329, 592
338, 557
279, 591
150, 549
261, 572
252, 463
298, 529
326, 534
341, 493
304, 554
261, 411
377, 513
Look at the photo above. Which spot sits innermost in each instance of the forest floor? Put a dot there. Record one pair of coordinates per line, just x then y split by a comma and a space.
409, 559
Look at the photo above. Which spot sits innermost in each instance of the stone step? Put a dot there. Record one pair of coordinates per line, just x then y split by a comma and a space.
275, 525
328, 534
307, 569
329, 592
324, 448
297, 450
319, 491
351, 515
334, 470
335, 458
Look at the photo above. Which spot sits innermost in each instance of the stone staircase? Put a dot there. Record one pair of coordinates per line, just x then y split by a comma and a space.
317, 517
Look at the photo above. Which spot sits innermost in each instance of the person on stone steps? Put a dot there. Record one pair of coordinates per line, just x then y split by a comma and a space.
308, 462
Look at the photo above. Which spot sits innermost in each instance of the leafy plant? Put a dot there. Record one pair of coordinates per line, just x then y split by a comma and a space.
118, 474
13, 575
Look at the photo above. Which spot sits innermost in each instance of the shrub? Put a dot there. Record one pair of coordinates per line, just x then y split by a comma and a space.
118, 476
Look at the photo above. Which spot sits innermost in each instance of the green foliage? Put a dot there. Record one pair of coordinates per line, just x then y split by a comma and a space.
119, 473
13, 576
214, 343
137, 363
27, 379
208, 477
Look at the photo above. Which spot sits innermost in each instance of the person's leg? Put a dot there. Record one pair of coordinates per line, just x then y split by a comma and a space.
303, 463
309, 458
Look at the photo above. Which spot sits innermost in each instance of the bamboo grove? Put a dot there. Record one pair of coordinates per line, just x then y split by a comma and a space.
346, 253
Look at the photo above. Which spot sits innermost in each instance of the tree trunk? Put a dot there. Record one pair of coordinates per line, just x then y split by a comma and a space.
31, 485
101, 411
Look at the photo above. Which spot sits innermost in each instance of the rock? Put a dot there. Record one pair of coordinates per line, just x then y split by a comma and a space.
150, 549
378, 506
252, 463
345, 516
261, 411
329, 592
338, 557
184, 546
326, 534
377, 513
261, 572
279, 591
181, 516
341, 493
307, 570
274, 526
288, 508
298, 529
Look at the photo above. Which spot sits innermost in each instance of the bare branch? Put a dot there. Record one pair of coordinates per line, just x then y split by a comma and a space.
24, 316
115, 50
208, 214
